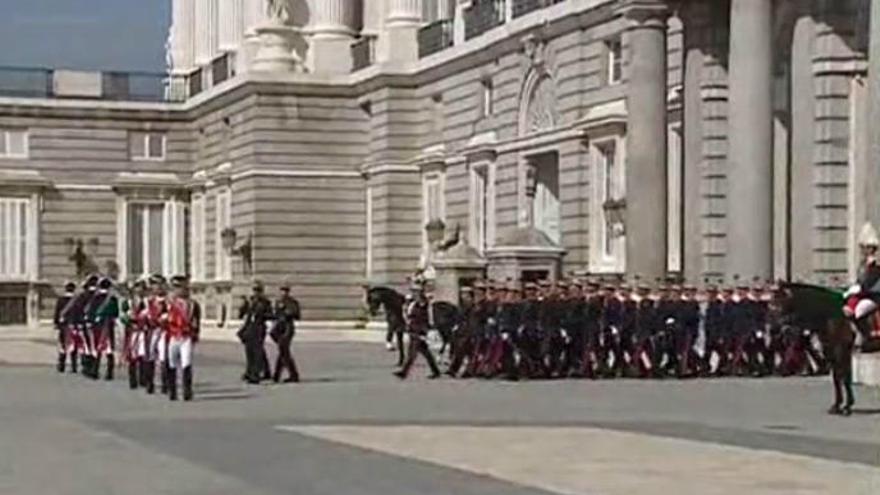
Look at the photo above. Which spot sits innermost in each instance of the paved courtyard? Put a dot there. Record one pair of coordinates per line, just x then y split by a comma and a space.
351, 428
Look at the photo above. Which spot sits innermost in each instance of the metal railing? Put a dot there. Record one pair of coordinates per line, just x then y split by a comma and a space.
435, 37
222, 68
23, 82
523, 7
483, 16
363, 53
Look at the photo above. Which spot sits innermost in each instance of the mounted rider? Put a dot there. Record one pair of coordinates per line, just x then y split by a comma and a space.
863, 297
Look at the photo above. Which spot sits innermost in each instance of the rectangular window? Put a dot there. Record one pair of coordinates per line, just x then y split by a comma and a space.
147, 146
614, 61
607, 240
197, 237
156, 238
145, 238
608, 162
481, 207
14, 237
13, 143
223, 220
487, 103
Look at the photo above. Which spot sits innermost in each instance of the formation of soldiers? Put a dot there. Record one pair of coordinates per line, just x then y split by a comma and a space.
576, 328
160, 330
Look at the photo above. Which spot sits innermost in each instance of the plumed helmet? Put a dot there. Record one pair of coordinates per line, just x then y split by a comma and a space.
868, 236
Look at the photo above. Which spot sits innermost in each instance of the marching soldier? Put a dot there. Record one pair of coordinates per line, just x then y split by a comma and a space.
417, 327
463, 344
133, 313
287, 312
62, 326
84, 317
593, 358
106, 313
574, 325
253, 334
155, 321
531, 335
184, 324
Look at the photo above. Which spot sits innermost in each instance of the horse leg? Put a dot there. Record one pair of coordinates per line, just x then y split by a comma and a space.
847, 379
838, 399
401, 352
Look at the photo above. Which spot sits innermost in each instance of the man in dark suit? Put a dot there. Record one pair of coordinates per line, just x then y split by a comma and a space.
253, 334
287, 312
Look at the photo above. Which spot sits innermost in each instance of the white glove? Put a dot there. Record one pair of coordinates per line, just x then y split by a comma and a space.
853, 290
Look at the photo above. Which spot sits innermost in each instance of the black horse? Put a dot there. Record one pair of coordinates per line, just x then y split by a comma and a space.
391, 302
444, 317
820, 309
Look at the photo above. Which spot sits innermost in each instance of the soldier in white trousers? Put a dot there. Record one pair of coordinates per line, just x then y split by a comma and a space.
184, 319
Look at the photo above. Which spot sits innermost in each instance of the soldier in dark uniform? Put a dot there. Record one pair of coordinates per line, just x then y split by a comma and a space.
690, 317
253, 334
531, 336
553, 310
613, 333
667, 330
417, 328
62, 326
286, 313
509, 324
593, 357
463, 344
645, 323
574, 324
741, 325
713, 308
757, 348
106, 313
91, 331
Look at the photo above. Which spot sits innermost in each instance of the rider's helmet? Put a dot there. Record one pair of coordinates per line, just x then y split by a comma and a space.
868, 236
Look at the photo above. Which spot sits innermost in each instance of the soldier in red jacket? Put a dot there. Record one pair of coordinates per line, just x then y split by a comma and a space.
184, 322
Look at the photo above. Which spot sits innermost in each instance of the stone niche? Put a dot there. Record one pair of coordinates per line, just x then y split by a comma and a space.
525, 254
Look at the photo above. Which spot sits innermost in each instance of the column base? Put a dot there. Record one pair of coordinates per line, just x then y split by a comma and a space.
403, 43
330, 54
275, 51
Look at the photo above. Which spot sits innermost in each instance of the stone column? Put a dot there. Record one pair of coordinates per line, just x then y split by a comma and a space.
332, 33
872, 172
253, 13
803, 137
202, 32
230, 28
750, 165
695, 27
213, 24
402, 29
646, 184
182, 42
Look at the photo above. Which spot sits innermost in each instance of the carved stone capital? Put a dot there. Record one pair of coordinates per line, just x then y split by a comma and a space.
644, 13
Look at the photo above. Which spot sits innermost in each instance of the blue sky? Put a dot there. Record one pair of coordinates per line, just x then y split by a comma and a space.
84, 34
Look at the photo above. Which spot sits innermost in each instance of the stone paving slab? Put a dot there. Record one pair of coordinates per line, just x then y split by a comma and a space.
578, 461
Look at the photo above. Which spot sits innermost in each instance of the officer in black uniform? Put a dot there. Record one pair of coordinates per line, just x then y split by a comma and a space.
62, 326
593, 355
463, 339
416, 314
713, 327
253, 334
531, 335
509, 323
574, 324
287, 312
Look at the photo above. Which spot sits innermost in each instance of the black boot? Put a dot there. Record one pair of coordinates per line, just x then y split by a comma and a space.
74, 362
163, 376
62, 360
111, 365
142, 372
149, 375
171, 378
133, 370
188, 383
96, 368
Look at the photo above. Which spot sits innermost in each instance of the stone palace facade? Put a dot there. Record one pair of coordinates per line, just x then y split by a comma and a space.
314, 140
